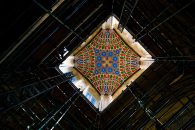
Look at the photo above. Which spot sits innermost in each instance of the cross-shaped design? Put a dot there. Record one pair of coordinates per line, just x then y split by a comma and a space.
107, 61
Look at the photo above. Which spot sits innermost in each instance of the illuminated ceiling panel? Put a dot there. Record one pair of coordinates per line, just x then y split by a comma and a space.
107, 61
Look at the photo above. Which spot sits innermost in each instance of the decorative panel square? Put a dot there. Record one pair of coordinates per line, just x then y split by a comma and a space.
107, 61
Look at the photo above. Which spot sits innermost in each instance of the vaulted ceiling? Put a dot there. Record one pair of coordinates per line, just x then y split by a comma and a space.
34, 94
107, 62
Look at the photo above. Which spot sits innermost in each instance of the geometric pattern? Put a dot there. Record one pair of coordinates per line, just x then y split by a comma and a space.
107, 61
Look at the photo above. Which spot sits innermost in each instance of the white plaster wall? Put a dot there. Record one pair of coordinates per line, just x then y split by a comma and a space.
67, 65
105, 100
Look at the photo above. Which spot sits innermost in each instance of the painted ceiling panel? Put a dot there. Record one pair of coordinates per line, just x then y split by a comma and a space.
107, 61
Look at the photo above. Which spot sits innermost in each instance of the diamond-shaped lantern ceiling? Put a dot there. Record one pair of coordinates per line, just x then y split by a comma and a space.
107, 61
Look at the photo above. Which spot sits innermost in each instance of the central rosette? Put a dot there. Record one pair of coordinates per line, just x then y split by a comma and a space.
107, 61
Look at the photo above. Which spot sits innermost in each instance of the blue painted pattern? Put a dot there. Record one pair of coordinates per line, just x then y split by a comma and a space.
106, 61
